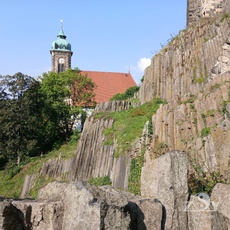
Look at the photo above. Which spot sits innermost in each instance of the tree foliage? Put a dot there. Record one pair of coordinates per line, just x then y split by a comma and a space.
37, 114
17, 130
82, 93
60, 91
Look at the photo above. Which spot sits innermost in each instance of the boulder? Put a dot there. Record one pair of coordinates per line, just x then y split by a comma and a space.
103, 207
199, 213
165, 179
40, 215
9, 217
220, 199
64, 206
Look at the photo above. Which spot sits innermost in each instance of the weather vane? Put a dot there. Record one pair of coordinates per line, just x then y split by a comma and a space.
61, 23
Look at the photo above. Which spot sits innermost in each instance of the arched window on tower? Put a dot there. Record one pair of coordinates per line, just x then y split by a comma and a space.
61, 67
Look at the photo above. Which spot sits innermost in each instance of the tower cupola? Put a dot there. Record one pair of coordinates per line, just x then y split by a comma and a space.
61, 43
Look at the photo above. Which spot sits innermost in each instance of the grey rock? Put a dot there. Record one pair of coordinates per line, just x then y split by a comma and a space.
9, 217
103, 208
220, 199
112, 106
40, 215
28, 184
92, 159
165, 179
198, 9
64, 206
199, 214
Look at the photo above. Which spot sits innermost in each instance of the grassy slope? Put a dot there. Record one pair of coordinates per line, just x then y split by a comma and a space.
128, 126
12, 186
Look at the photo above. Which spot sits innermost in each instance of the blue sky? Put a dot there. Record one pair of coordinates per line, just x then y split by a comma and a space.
106, 35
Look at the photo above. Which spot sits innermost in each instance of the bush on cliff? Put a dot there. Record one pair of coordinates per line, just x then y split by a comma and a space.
129, 93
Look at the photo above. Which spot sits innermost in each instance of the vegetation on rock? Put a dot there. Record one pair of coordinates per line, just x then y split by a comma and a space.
100, 181
134, 183
128, 125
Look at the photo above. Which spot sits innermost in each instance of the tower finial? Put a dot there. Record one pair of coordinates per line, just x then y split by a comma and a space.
61, 23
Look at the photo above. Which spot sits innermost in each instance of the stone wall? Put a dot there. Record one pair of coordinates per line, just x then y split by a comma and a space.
197, 9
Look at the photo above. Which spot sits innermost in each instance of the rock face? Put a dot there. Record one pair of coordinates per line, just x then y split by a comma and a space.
9, 217
165, 178
57, 168
112, 106
199, 214
93, 158
187, 62
198, 9
192, 73
198, 124
64, 206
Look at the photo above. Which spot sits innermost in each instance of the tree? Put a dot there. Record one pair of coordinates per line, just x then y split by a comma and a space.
82, 93
36, 114
64, 95
16, 122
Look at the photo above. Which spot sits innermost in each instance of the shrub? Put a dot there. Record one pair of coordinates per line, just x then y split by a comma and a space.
205, 132
200, 181
129, 93
199, 80
74, 138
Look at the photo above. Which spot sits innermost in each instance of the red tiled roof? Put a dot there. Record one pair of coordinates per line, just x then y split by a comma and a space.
109, 83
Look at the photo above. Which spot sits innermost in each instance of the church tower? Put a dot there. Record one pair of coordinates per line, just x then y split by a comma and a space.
61, 53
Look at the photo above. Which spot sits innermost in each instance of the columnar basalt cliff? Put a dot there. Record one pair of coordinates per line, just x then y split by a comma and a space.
188, 61
192, 73
190, 135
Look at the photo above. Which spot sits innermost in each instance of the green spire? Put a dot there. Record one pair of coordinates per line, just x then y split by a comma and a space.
61, 43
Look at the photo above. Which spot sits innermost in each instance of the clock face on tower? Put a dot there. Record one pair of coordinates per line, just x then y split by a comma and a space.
61, 60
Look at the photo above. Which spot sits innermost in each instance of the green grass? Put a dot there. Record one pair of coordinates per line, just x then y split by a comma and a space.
128, 125
100, 181
12, 186
134, 182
